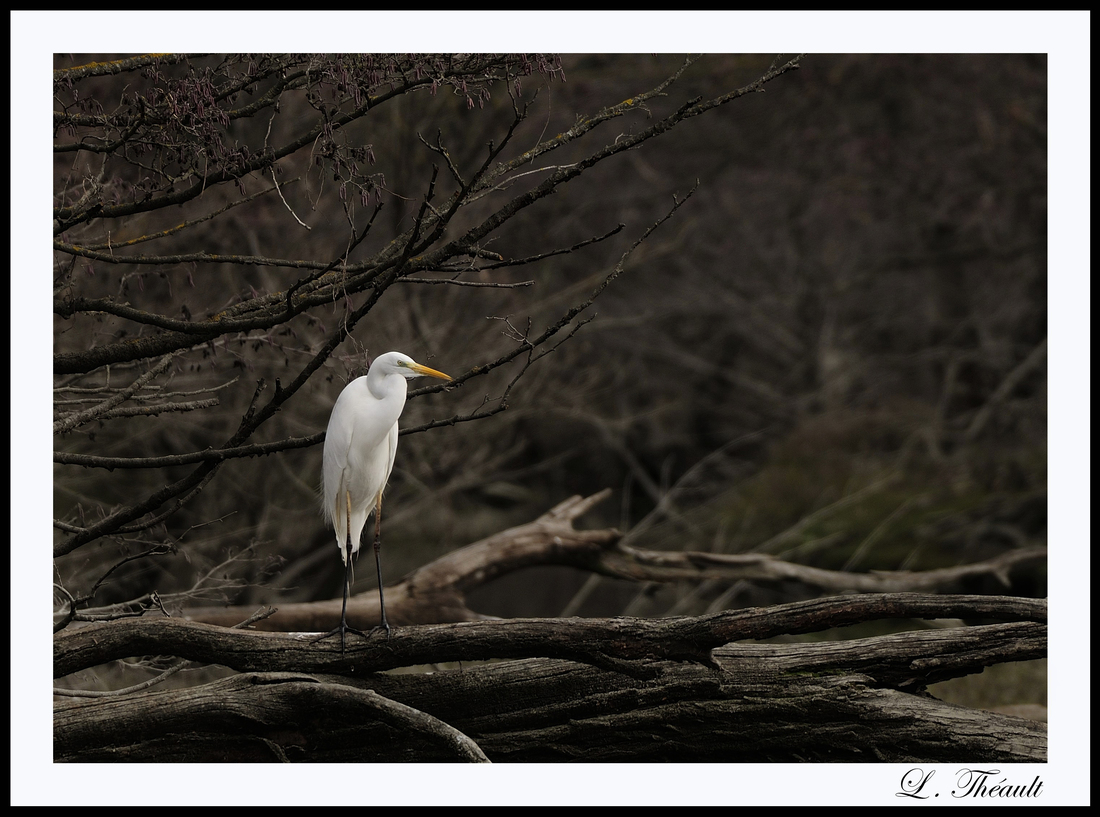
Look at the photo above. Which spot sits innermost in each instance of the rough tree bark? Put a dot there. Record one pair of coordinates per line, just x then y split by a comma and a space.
619, 689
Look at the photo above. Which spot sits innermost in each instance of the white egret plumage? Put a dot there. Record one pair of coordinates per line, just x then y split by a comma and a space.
360, 446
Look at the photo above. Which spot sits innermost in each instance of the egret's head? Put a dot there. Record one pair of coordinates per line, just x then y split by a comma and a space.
397, 363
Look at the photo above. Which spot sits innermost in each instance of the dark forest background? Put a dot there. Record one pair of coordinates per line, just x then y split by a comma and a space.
834, 351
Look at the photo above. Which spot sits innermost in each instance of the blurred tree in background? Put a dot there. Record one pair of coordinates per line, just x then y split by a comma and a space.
834, 350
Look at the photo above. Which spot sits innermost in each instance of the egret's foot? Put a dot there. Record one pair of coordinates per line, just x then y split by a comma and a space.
342, 631
385, 627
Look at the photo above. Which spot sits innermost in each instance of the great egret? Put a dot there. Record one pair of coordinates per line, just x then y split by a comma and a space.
359, 449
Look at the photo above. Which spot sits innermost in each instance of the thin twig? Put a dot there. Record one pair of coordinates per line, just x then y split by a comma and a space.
71, 421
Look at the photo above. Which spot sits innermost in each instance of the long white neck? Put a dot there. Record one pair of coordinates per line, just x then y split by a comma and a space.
387, 386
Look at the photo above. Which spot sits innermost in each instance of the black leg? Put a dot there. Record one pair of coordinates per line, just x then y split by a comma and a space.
378, 560
343, 629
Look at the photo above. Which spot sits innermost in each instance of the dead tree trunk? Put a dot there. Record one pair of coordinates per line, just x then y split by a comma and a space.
679, 689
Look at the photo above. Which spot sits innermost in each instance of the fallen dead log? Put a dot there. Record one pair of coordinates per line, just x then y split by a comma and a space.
583, 689
437, 591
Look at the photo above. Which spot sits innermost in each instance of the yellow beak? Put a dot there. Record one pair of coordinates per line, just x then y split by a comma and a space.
424, 370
